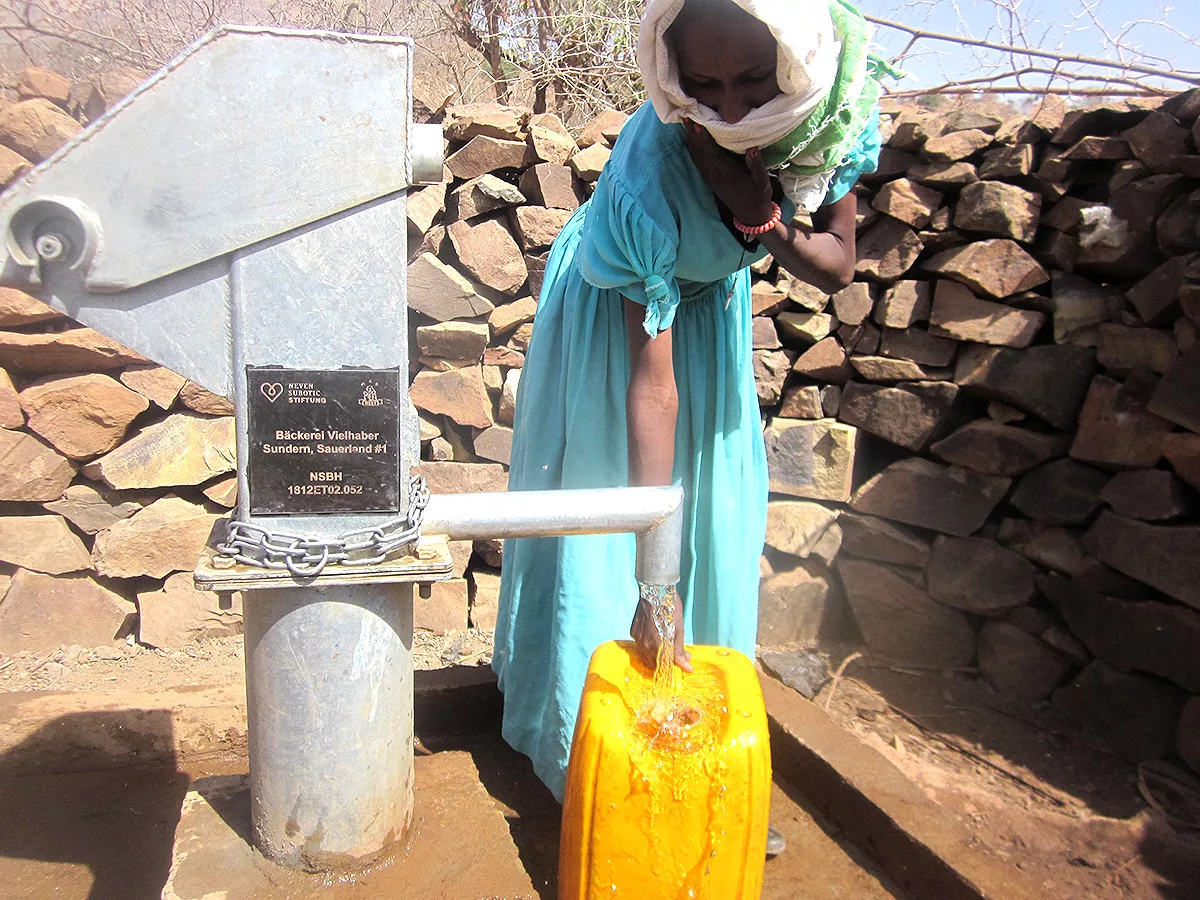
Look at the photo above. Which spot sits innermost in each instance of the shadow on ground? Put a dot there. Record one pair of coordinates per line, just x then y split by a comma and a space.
63, 802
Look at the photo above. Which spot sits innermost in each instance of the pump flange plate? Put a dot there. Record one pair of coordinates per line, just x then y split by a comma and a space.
431, 563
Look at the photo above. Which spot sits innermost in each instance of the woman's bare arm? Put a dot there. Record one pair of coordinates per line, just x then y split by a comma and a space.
651, 408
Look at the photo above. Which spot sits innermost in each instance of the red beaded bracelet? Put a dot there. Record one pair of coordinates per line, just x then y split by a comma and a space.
755, 230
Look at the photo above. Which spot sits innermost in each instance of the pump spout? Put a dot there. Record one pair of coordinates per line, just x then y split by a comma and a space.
654, 514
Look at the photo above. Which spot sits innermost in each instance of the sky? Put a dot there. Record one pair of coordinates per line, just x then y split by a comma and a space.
1052, 25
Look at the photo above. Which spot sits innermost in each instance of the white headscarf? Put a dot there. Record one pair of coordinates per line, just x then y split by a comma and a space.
806, 69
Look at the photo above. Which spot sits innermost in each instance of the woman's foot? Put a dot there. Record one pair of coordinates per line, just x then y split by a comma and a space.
775, 843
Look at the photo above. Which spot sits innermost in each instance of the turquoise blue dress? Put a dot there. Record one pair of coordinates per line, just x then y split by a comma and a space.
651, 232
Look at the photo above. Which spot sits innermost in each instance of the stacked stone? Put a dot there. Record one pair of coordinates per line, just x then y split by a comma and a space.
113, 470
1015, 381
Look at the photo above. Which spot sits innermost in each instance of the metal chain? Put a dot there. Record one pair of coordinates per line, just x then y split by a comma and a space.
253, 545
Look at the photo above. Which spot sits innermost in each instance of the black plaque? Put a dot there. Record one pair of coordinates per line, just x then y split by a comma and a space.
323, 440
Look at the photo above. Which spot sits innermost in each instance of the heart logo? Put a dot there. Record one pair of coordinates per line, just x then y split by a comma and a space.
272, 390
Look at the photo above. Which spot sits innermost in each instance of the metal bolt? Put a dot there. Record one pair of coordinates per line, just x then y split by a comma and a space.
51, 247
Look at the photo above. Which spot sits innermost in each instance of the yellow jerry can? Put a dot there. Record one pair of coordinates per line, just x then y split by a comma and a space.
667, 791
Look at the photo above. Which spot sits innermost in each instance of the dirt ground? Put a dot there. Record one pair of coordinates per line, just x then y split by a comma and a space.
1062, 809
1066, 812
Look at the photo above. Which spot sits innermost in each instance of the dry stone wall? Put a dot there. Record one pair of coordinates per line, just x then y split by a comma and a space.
985, 453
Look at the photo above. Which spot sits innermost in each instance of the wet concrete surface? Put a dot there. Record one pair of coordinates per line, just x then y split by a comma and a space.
485, 827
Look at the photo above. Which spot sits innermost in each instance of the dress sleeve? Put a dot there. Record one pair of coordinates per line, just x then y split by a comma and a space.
623, 247
862, 159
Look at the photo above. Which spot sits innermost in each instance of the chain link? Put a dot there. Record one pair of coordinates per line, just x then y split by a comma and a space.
253, 545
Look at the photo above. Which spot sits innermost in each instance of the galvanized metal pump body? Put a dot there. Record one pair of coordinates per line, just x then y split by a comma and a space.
256, 245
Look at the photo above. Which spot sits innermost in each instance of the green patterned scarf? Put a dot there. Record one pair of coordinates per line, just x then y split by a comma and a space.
833, 127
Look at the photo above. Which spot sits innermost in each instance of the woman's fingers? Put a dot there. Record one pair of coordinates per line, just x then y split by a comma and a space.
758, 170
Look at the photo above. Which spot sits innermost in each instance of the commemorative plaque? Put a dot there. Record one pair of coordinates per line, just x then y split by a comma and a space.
323, 440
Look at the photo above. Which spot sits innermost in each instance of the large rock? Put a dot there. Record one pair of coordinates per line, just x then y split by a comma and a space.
1019, 665
82, 415
44, 612
811, 459
1052, 546
550, 144
18, 308
1116, 430
29, 470
74, 350
550, 186
1133, 715
494, 443
454, 340
178, 614
918, 346
977, 575
1166, 557
1048, 381
887, 250
956, 145
42, 544
1155, 638
489, 253
853, 303
43, 83
959, 314
1146, 494
899, 621
92, 508
424, 206
483, 195
465, 121
795, 526
1156, 297
157, 384
905, 303
458, 393
996, 267
1062, 492
484, 154
996, 449
910, 415
589, 162
182, 449
1002, 210
907, 201
167, 536
441, 292
35, 128
803, 329
1123, 348
539, 226
1158, 140
464, 478
200, 399
771, 369
604, 128
868, 537
922, 493
797, 607
1177, 397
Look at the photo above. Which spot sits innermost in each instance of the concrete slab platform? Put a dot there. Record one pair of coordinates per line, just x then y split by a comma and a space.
459, 847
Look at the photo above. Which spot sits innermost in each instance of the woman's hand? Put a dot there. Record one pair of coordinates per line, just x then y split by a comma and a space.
646, 638
743, 184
